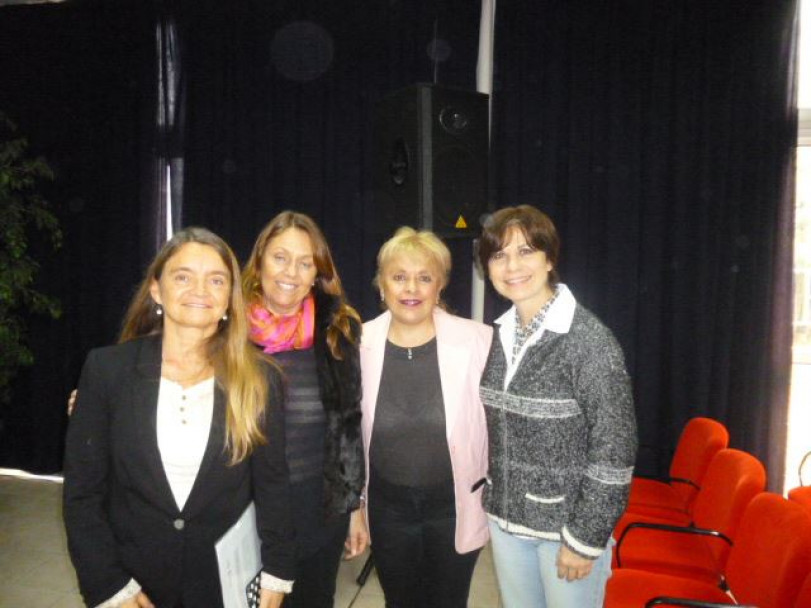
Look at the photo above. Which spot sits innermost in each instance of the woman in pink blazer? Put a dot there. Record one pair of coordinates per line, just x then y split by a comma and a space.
424, 429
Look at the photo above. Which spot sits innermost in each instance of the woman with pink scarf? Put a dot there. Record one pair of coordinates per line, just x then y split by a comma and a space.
299, 314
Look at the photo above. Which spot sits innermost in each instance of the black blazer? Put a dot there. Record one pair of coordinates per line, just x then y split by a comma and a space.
121, 518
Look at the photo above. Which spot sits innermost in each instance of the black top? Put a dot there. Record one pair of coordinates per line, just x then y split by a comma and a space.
305, 429
305, 420
409, 445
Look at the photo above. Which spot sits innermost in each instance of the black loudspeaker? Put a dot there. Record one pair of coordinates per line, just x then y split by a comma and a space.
431, 160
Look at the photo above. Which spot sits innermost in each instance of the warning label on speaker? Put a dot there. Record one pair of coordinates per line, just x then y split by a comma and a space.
460, 223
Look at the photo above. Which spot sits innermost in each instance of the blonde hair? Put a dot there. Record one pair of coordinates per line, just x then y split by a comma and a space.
236, 362
326, 278
409, 241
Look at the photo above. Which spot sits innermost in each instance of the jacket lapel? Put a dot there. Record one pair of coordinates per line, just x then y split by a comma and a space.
529, 360
453, 365
372, 350
214, 451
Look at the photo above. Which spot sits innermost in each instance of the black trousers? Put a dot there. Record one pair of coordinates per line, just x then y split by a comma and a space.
413, 532
316, 571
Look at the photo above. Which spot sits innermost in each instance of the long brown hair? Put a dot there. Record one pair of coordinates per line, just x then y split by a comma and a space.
236, 362
326, 279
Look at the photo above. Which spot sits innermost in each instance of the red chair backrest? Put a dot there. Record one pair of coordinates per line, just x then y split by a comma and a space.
733, 479
699, 442
804, 599
772, 553
802, 496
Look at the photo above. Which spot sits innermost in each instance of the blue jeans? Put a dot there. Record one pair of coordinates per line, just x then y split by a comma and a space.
528, 577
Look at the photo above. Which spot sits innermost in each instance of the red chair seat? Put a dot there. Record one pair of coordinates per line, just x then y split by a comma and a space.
680, 555
629, 518
767, 566
732, 480
659, 512
804, 598
653, 492
633, 589
653, 516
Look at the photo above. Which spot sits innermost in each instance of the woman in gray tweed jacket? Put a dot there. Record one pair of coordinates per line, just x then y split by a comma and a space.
561, 422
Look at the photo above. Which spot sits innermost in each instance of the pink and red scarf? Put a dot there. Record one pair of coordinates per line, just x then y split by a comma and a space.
279, 333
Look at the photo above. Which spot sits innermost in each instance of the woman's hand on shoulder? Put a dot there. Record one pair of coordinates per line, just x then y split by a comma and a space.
358, 537
72, 400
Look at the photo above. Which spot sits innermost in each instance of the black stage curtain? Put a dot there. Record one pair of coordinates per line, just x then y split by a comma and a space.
657, 134
79, 82
660, 137
280, 105
263, 107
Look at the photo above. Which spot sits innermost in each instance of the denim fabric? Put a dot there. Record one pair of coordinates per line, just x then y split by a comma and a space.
527, 574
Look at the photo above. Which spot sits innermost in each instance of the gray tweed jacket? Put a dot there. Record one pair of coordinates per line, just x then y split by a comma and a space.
562, 436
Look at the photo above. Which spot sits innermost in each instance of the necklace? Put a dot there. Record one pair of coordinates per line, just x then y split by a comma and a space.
420, 339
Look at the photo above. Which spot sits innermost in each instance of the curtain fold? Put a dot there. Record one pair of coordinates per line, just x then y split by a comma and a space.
660, 137
79, 80
170, 110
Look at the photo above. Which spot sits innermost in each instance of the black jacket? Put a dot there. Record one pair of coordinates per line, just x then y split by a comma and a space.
340, 388
121, 518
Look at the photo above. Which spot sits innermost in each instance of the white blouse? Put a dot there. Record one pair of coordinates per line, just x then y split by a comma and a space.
183, 425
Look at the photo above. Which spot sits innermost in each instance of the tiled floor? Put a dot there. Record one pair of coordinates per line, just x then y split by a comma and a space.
35, 571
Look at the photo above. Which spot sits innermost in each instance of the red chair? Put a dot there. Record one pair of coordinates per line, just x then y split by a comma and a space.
801, 496
804, 598
766, 568
699, 442
698, 550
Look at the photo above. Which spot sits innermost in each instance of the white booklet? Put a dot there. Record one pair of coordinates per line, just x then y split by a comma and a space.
240, 559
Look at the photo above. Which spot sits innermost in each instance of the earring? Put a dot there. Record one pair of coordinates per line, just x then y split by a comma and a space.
225, 317
382, 298
159, 311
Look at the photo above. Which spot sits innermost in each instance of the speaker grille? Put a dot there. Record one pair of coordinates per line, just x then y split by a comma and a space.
431, 159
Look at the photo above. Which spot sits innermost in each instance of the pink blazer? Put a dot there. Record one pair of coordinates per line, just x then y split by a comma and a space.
462, 348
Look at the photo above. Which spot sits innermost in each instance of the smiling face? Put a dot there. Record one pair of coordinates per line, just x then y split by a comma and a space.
410, 286
194, 289
287, 271
520, 273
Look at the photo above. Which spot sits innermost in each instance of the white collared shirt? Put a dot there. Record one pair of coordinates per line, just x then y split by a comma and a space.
558, 319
